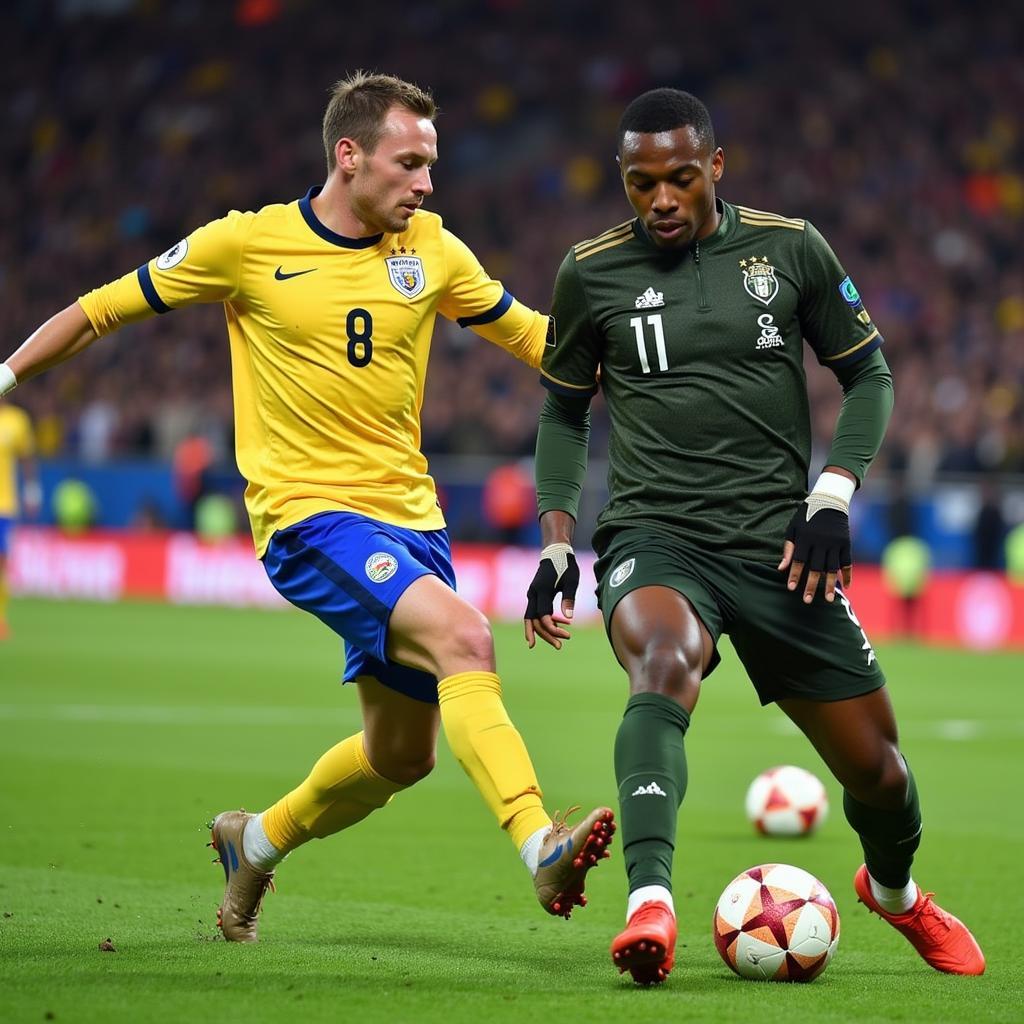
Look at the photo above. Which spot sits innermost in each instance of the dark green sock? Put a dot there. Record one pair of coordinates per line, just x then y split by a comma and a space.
889, 838
650, 768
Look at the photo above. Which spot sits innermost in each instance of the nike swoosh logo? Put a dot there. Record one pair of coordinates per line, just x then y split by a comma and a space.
280, 275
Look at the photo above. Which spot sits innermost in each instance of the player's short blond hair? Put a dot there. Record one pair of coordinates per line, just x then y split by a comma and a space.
359, 105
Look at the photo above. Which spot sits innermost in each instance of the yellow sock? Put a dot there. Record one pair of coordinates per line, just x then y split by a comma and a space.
491, 752
342, 788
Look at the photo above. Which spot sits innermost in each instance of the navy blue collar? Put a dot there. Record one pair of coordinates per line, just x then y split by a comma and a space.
316, 225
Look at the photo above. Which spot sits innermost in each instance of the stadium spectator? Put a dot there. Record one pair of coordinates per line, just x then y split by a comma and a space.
17, 449
990, 529
149, 121
509, 503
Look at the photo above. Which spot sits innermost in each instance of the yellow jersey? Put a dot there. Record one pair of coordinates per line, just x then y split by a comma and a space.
15, 443
329, 340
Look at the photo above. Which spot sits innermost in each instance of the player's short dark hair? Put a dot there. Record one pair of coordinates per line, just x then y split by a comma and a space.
360, 103
664, 110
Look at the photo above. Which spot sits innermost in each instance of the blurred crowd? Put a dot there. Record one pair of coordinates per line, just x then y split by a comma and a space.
895, 128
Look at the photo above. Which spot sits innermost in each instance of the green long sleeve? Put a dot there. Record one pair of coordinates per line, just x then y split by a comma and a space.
867, 405
561, 464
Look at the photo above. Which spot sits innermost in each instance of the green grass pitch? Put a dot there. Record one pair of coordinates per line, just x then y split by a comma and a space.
124, 728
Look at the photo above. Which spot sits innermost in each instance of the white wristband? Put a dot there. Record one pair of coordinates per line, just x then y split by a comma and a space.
8, 382
835, 486
558, 554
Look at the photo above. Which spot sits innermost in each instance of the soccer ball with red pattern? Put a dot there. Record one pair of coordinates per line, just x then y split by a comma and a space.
786, 801
776, 923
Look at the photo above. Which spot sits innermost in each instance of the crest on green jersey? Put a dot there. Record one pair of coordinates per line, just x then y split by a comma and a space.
406, 274
759, 278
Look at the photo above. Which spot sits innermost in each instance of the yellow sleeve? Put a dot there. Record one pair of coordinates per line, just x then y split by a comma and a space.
203, 267
474, 299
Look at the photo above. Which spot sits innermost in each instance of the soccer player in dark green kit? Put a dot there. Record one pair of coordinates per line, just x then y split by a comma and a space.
690, 317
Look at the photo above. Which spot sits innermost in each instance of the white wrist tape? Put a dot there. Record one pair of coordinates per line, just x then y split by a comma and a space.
831, 490
559, 556
8, 382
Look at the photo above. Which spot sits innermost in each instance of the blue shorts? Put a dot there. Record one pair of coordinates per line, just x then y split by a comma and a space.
350, 571
5, 535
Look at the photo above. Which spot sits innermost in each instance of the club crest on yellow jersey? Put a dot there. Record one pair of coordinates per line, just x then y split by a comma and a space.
406, 274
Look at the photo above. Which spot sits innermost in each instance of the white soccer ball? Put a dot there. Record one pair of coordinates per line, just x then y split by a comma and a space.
786, 801
776, 922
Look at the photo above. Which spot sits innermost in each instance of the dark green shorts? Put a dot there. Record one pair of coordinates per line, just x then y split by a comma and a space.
789, 649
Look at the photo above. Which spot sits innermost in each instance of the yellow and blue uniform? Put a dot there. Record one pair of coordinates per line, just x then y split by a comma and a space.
15, 443
329, 339
329, 343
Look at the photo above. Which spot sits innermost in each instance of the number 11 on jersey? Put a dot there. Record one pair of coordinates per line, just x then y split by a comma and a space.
637, 323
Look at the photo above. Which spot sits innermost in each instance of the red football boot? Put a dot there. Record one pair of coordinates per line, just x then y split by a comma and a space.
943, 941
647, 946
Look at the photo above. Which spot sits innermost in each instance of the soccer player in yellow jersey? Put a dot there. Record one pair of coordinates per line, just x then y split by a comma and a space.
330, 305
16, 446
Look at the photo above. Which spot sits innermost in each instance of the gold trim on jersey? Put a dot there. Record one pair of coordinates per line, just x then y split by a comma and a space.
601, 248
566, 384
763, 219
622, 230
853, 348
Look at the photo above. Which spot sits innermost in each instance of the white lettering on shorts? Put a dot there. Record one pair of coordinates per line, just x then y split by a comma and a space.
866, 646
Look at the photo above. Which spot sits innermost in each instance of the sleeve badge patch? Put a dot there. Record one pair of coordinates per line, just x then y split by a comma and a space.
173, 256
848, 290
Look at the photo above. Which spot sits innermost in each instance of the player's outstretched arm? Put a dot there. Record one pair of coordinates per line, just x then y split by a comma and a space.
817, 540
62, 336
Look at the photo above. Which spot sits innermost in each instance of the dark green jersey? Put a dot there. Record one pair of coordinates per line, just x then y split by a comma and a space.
699, 356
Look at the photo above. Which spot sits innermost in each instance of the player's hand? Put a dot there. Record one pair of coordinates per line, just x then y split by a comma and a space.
818, 543
557, 572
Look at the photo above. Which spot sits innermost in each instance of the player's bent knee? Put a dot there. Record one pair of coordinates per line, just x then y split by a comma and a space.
880, 780
669, 669
470, 640
407, 771
893, 781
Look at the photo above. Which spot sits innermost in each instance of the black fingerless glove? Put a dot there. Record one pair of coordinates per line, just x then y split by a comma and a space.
557, 571
821, 537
